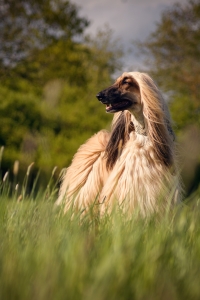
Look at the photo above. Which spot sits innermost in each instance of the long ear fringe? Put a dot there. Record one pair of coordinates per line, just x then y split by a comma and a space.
119, 136
157, 118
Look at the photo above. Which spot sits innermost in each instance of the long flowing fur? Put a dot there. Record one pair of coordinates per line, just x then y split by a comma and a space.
126, 167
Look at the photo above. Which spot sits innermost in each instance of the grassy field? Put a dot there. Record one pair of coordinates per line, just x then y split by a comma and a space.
47, 255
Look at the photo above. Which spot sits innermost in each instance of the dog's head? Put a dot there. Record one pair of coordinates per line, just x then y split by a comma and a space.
136, 94
124, 94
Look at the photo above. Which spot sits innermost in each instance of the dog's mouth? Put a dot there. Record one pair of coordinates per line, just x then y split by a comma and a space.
119, 106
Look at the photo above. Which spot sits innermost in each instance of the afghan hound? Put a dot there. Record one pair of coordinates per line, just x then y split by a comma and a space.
134, 165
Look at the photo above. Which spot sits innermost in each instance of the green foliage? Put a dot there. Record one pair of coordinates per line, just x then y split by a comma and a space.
47, 255
183, 111
47, 92
47, 129
62, 59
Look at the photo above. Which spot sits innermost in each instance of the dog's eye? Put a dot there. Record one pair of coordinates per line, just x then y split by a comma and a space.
126, 82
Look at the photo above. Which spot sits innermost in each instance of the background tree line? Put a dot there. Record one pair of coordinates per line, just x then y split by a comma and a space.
50, 73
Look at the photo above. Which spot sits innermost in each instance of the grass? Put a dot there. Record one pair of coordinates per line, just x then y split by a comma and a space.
47, 255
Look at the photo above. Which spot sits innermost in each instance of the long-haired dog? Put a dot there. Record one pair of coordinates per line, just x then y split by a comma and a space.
133, 166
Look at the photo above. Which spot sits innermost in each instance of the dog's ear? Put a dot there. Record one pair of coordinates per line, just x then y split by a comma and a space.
157, 119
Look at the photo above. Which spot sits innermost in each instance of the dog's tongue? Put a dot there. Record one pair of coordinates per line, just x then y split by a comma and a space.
108, 107
115, 105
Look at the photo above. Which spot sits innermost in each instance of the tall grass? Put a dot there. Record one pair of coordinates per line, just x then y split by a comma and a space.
47, 255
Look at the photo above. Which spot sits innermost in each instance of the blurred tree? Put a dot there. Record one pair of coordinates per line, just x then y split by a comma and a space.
47, 95
26, 25
69, 93
172, 53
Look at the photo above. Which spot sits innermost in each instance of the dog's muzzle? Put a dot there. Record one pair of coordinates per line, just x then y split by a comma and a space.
101, 97
114, 100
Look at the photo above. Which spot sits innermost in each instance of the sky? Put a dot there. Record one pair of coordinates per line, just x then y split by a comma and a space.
129, 19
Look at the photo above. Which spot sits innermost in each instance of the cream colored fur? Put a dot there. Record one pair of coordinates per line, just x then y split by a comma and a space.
139, 180
87, 174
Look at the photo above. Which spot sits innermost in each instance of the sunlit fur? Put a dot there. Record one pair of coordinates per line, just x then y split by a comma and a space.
133, 166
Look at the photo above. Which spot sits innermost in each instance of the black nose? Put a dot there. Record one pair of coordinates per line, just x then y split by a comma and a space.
100, 96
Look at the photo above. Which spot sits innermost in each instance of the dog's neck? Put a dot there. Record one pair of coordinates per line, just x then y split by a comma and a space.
138, 121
